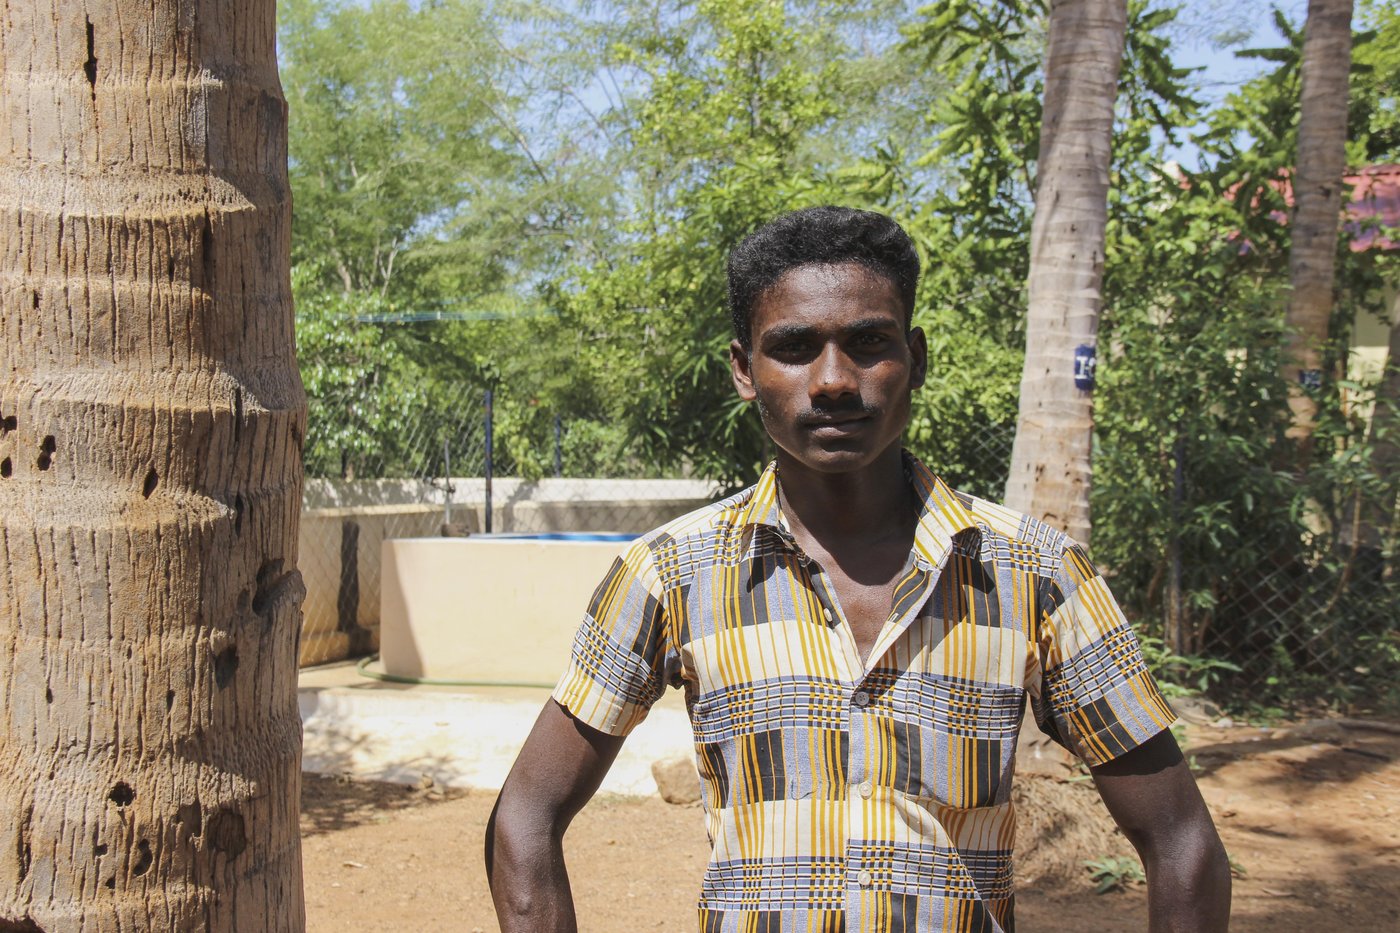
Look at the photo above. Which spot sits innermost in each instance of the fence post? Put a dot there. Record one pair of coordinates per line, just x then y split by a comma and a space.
489, 465
447, 484
1176, 615
558, 447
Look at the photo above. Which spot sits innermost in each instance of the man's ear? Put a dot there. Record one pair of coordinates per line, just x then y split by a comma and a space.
918, 349
740, 367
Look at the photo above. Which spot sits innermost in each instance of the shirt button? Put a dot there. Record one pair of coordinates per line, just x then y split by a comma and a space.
861, 699
826, 613
863, 878
866, 789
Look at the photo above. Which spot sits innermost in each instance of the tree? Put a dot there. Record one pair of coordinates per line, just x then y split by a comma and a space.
435, 167
1317, 193
1050, 459
151, 420
1383, 509
730, 96
1214, 548
399, 145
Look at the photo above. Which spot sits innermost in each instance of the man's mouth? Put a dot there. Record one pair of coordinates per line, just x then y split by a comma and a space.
835, 423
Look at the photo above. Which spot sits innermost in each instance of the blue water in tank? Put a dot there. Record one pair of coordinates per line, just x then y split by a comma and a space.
562, 536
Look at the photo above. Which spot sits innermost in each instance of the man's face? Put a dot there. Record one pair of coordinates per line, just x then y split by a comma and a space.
832, 367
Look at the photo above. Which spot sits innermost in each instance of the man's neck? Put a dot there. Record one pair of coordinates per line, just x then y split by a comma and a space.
864, 506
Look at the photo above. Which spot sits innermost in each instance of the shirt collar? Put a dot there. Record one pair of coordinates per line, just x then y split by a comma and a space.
942, 514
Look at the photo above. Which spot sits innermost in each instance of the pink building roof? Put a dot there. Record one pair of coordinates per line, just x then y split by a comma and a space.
1371, 217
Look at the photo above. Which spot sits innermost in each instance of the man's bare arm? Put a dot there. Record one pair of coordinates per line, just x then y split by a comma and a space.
558, 771
1153, 796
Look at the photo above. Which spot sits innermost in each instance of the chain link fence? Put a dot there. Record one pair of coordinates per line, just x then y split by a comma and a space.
1314, 619
378, 480
1322, 627
1322, 623
442, 471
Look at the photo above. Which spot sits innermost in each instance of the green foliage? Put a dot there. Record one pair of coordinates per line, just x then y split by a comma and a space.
359, 386
400, 157
1374, 119
975, 230
1192, 477
1182, 675
1114, 873
582, 172
731, 94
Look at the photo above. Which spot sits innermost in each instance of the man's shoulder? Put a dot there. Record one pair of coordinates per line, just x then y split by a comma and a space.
695, 534
1003, 531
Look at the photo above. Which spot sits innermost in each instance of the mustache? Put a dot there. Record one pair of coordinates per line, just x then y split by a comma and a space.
841, 411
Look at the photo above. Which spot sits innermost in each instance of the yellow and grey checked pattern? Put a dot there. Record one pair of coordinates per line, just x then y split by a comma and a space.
850, 794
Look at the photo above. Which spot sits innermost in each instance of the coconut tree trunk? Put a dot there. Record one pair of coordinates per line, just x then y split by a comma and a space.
1317, 193
1381, 512
151, 419
1050, 459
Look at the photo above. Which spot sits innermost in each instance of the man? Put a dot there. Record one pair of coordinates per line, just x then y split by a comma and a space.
857, 644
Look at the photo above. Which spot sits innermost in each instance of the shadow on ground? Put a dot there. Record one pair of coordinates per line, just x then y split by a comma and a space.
329, 804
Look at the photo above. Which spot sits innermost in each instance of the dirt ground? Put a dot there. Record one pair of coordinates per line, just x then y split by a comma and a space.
1310, 816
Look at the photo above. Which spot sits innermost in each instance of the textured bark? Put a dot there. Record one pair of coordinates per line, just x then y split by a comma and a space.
1050, 459
151, 419
1380, 517
1317, 194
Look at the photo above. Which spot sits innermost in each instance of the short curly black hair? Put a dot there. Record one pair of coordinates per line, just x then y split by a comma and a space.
818, 236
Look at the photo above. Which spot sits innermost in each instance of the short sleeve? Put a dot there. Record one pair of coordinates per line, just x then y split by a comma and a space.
1097, 696
618, 662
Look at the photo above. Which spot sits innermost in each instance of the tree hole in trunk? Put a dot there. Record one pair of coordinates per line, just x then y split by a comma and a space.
143, 859
22, 925
90, 66
8, 424
121, 794
225, 666
206, 251
101, 849
191, 820
7, 468
237, 414
46, 449
271, 581
149, 486
226, 832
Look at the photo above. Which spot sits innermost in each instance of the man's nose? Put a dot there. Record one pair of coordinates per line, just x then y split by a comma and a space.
834, 374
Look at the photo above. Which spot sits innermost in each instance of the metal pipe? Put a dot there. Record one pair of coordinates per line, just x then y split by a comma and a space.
489, 464
558, 447
447, 483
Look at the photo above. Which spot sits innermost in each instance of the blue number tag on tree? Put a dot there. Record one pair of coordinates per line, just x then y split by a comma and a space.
1085, 362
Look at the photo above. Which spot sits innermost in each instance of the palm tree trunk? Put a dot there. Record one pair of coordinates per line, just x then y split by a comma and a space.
1381, 511
151, 418
1317, 193
1050, 459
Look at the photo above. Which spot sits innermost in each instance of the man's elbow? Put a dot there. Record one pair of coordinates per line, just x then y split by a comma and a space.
525, 866
513, 830
1188, 877
1206, 857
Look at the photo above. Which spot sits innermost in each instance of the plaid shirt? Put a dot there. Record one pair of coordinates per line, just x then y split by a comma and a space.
874, 795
